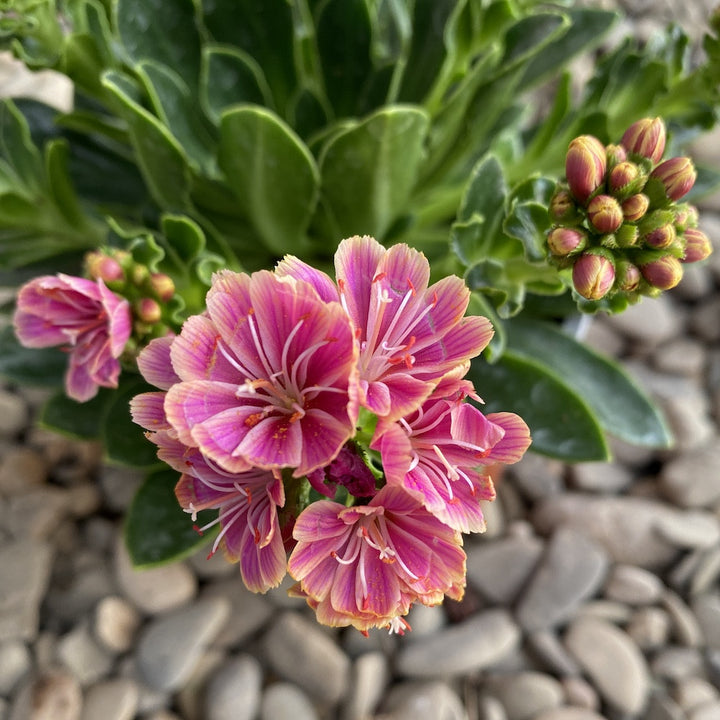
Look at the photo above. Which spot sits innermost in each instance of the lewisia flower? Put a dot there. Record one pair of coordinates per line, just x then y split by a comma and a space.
409, 334
82, 316
365, 565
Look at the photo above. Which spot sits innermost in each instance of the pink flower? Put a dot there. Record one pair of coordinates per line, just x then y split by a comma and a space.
441, 453
83, 316
409, 334
365, 565
267, 376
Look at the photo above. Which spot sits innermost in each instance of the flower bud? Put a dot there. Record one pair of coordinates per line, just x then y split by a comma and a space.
661, 237
677, 176
562, 207
605, 213
686, 216
646, 138
615, 154
662, 273
562, 241
103, 267
593, 276
697, 246
585, 165
148, 311
625, 179
627, 277
635, 207
162, 285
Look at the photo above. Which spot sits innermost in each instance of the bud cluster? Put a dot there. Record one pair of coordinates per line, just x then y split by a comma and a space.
617, 221
147, 292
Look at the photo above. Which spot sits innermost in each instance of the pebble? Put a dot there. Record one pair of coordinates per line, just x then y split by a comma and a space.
369, 676
685, 627
233, 692
704, 320
706, 610
490, 708
13, 413
116, 622
83, 655
571, 570
15, 664
537, 476
423, 701
580, 693
21, 469
25, 571
649, 322
663, 707
37, 513
54, 695
569, 713
154, 590
706, 711
111, 700
691, 479
689, 529
649, 627
633, 585
285, 701
119, 485
682, 356
466, 647
526, 694
612, 661
546, 645
190, 699
499, 568
707, 571
600, 477
674, 662
171, 645
693, 691
300, 651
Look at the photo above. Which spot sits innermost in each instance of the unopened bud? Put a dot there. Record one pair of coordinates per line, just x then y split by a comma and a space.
605, 213
646, 138
661, 237
615, 154
677, 176
562, 241
585, 165
635, 207
162, 285
662, 273
148, 311
686, 216
625, 179
697, 246
593, 275
627, 277
103, 267
562, 207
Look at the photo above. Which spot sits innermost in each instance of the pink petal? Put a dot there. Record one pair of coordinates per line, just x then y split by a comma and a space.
275, 442
155, 365
262, 568
148, 411
514, 442
324, 286
323, 437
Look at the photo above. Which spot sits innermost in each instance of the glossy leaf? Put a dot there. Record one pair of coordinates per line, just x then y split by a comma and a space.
561, 423
156, 530
18, 154
272, 174
81, 420
621, 407
529, 222
30, 366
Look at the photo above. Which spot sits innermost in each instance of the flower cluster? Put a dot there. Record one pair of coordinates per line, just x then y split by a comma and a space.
329, 419
618, 223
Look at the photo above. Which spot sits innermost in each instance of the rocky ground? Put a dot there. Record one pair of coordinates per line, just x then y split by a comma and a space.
594, 594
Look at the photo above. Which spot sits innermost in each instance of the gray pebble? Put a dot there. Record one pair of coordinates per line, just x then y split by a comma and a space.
601, 477
37, 513
704, 320
477, 643
613, 662
425, 620
190, 699
693, 479
633, 585
13, 413
685, 627
370, 673
15, 664
691, 692
649, 627
499, 568
537, 476
611, 610
706, 572
21, 469
674, 662
546, 645
302, 652
233, 692
115, 624
663, 707
285, 701
423, 701
706, 711
119, 485
580, 693
571, 570
682, 356
83, 655
525, 694
706, 610
54, 695
111, 700
649, 322
490, 708
171, 645
569, 713
689, 529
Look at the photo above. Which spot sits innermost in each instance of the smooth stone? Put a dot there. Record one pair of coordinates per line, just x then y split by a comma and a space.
682, 356
190, 699
13, 413
490, 708
233, 692
25, 571
119, 485
499, 568
537, 476
301, 652
707, 711
425, 620
580, 693
633, 585
649, 627
691, 479
455, 650
369, 676
55, 695
423, 701
83, 655
546, 645
707, 571
612, 661
15, 664
37, 513
21, 469
690, 528
600, 477
285, 701
86, 584
663, 707
604, 339
649, 322
686, 628
625, 526
614, 612
116, 622
674, 662
171, 645
706, 610
213, 566
525, 694
704, 320
111, 700
155, 590
691, 692
569, 713
571, 570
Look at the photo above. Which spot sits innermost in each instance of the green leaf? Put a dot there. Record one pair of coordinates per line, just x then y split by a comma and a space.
561, 423
529, 35
272, 174
81, 420
529, 222
30, 366
369, 171
157, 531
621, 407
17, 151
61, 188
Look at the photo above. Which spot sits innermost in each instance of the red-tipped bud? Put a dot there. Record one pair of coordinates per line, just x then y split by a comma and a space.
562, 207
585, 165
661, 237
646, 138
103, 267
697, 246
677, 176
593, 276
563, 241
663, 273
627, 277
615, 154
635, 207
686, 216
162, 285
625, 179
148, 310
605, 213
